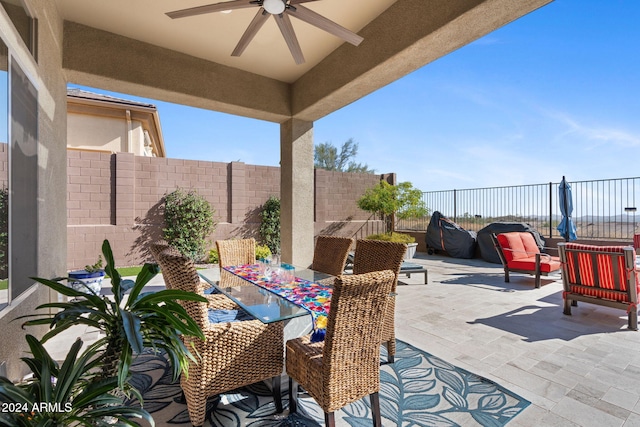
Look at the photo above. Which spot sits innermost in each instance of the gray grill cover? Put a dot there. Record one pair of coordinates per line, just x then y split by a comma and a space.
445, 235
488, 252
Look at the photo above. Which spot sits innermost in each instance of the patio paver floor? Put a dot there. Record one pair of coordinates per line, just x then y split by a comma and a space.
579, 370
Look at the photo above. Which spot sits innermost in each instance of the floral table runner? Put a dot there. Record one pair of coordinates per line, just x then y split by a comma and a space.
313, 297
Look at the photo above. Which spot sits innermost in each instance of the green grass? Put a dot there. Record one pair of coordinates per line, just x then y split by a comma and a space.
129, 271
124, 271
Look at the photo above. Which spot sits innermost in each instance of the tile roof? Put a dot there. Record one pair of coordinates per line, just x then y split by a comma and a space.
79, 93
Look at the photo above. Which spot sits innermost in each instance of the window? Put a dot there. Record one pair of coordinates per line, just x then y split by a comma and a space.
25, 24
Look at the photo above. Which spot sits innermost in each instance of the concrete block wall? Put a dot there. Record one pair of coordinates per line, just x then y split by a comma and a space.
89, 179
119, 197
336, 194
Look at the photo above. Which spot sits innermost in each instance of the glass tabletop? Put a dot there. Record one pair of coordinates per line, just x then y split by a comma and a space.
259, 302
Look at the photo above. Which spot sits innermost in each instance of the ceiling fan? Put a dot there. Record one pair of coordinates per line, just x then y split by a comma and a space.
280, 9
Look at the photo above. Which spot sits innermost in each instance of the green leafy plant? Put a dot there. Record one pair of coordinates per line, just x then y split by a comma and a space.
64, 395
401, 200
214, 257
393, 237
270, 225
188, 222
262, 251
149, 319
95, 267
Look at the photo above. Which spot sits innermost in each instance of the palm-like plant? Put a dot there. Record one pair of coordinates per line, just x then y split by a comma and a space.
64, 395
151, 319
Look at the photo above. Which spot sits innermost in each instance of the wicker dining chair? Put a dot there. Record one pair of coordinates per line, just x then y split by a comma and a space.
216, 300
236, 252
234, 354
158, 246
376, 255
330, 254
345, 366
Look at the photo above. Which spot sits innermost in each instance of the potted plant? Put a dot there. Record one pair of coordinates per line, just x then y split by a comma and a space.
89, 278
64, 395
400, 201
407, 239
150, 319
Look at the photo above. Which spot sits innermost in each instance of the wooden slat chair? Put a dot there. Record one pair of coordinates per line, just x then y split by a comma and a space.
236, 252
345, 366
519, 253
603, 275
330, 254
378, 255
234, 353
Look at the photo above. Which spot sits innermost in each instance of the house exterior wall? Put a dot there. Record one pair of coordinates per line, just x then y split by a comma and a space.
113, 134
50, 177
119, 197
96, 133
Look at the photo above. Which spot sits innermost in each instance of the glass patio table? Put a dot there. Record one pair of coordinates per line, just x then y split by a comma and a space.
261, 303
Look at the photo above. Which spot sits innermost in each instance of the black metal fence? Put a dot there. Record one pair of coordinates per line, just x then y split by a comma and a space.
602, 209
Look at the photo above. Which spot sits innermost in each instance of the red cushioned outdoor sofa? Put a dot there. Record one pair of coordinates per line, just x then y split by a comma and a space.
519, 253
603, 275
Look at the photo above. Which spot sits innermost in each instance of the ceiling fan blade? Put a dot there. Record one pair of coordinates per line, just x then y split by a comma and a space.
209, 8
257, 23
317, 20
300, 1
284, 23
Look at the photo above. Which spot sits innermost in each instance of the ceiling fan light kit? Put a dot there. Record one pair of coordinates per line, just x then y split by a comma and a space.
274, 7
280, 10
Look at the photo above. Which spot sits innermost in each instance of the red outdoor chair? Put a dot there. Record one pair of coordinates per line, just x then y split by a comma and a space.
603, 275
519, 253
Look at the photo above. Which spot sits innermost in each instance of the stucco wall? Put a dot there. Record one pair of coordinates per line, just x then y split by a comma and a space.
109, 134
98, 133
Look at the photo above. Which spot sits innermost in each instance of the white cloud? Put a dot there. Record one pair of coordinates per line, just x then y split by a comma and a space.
596, 134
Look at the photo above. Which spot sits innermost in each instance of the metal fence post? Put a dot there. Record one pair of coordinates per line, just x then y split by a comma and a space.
550, 209
455, 203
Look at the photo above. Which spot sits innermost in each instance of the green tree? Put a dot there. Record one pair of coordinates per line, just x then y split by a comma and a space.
326, 156
402, 200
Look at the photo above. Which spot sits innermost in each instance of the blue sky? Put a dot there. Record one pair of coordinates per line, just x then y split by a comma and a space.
554, 93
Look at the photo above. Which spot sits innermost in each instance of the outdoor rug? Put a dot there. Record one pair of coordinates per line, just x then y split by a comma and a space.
417, 390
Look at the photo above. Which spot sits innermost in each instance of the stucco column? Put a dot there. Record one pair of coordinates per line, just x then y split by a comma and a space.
296, 192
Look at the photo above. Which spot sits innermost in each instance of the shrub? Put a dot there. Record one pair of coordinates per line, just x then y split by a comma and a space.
270, 226
189, 220
214, 258
262, 251
393, 237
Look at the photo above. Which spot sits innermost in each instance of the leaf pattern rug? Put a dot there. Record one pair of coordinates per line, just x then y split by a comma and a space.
417, 390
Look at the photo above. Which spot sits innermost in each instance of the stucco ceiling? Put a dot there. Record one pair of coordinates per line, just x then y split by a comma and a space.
213, 36
133, 47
